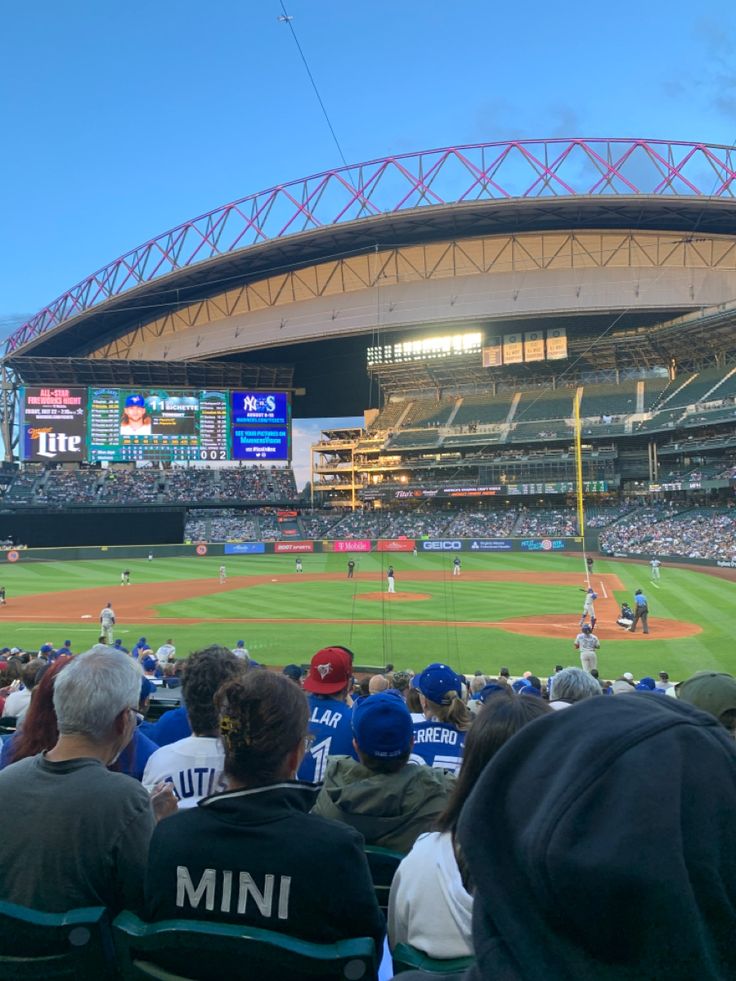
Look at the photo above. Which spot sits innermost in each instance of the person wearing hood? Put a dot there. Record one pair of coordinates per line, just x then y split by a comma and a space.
389, 800
429, 907
600, 864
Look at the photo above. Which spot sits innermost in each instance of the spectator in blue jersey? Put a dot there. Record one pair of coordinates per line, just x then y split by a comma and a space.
330, 729
141, 747
439, 739
142, 645
172, 726
118, 645
382, 795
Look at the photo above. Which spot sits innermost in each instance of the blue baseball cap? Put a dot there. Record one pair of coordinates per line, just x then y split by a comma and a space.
492, 688
147, 688
135, 400
149, 663
436, 681
382, 725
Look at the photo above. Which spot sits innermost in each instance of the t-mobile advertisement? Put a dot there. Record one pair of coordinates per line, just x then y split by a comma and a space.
54, 424
348, 545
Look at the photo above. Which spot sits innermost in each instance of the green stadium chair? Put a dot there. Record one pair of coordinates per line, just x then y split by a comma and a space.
198, 950
72, 946
383, 864
408, 958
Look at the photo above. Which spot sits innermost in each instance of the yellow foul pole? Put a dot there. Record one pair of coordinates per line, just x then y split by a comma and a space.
579, 470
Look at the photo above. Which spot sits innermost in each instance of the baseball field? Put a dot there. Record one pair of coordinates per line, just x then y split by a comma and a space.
516, 610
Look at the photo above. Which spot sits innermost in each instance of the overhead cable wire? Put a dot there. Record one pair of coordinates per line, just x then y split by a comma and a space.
289, 21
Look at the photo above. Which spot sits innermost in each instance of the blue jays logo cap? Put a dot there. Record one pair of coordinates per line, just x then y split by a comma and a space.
587, 629
436, 682
135, 400
382, 725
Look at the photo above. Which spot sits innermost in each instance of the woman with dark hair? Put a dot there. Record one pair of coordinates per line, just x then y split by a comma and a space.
253, 854
429, 907
40, 730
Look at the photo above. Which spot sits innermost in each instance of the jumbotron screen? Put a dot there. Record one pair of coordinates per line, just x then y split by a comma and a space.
126, 425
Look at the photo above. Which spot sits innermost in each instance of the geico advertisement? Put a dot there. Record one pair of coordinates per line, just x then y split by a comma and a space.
54, 424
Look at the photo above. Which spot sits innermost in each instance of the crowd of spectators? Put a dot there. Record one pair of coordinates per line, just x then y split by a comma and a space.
221, 525
290, 775
127, 484
545, 522
493, 523
703, 533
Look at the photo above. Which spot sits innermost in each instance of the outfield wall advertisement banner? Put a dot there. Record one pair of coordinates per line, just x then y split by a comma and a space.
395, 545
244, 548
491, 545
293, 546
430, 545
357, 545
543, 544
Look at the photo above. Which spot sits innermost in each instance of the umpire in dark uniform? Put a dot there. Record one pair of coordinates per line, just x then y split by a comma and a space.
641, 612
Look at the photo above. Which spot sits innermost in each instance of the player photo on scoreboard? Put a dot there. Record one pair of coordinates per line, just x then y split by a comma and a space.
156, 413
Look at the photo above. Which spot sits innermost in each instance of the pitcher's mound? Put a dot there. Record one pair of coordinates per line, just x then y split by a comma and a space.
393, 597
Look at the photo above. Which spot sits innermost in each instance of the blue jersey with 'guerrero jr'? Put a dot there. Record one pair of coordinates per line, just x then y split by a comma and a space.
438, 744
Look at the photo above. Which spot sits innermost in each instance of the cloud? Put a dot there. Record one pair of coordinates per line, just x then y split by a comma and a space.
714, 83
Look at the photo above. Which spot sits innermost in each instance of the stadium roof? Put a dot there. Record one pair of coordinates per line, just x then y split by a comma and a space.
180, 374
461, 191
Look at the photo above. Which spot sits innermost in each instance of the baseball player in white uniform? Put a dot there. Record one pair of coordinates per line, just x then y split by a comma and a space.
655, 564
107, 622
587, 643
588, 608
390, 579
223, 574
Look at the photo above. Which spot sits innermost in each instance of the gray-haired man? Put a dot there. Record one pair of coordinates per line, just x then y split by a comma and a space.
95, 824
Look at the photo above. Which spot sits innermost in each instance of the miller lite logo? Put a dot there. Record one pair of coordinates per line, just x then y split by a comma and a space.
52, 444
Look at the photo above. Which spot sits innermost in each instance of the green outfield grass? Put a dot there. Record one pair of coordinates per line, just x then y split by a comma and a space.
683, 595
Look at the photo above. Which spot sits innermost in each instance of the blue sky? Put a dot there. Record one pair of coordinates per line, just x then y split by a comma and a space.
120, 121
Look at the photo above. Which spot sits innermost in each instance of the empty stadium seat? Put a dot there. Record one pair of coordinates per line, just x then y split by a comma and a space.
72, 946
195, 950
383, 864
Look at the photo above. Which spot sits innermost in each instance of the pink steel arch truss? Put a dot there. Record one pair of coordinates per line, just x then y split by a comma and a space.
477, 172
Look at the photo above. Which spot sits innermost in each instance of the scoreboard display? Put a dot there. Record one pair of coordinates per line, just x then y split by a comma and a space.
127, 425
